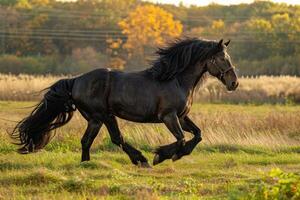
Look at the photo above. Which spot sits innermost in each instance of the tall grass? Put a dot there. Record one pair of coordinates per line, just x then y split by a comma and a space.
267, 125
225, 127
264, 89
24, 87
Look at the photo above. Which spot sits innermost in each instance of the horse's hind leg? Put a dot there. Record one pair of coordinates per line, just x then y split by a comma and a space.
135, 156
88, 138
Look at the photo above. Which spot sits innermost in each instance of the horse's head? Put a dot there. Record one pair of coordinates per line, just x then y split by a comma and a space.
220, 66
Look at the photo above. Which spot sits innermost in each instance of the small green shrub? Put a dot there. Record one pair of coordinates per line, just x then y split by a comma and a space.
277, 185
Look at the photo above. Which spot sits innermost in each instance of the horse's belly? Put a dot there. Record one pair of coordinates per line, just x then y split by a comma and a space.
135, 116
134, 103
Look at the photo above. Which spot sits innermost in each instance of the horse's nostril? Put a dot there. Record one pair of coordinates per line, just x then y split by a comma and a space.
233, 84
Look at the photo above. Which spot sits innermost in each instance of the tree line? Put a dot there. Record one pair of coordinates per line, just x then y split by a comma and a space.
48, 36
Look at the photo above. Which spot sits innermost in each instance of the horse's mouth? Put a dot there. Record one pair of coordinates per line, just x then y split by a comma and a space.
232, 87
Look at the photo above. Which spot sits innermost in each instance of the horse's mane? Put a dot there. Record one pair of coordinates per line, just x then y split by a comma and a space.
179, 55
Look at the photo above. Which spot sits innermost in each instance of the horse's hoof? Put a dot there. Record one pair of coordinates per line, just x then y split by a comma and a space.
31, 146
85, 159
23, 150
145, 165
156, 159
175, 157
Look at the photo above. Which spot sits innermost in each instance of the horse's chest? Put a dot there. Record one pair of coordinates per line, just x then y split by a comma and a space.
179, 101
185, 108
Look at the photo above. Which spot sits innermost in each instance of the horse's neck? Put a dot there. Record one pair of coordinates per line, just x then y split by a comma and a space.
190, 77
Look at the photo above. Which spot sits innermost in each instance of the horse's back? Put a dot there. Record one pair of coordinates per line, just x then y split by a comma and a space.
134, 96
90, 89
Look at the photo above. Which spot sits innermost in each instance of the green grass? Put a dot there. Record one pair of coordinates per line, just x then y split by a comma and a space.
240, 144
48, 175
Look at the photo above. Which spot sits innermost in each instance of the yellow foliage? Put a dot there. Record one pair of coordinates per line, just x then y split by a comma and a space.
117, 63
281, 18
23, 4
218, 24
282, 22
115, 44
38, 20
28, 4
40, 2
260, 25
149, 26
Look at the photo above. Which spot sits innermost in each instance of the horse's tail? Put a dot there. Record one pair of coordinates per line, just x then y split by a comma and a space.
55, 110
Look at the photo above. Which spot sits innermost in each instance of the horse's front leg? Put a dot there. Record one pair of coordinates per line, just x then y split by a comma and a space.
168, 151
189, 126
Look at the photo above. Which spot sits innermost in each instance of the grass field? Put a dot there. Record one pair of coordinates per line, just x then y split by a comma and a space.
241, 144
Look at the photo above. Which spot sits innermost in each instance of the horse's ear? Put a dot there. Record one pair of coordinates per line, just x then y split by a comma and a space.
227, 43
220, 43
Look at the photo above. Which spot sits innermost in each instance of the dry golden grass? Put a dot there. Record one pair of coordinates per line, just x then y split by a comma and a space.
24, 87
271, 126
262, 89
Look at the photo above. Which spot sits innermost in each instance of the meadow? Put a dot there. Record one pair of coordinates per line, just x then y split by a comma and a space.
244, 146
241, 145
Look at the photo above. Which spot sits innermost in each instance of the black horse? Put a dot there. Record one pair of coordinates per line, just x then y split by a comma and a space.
160, 94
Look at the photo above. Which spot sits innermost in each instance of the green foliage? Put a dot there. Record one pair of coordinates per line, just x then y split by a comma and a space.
276, 65
277, 185
31, 65
265, 36
8, 2
81, 60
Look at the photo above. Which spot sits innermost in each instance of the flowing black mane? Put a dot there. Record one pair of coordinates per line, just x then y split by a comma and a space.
179, 55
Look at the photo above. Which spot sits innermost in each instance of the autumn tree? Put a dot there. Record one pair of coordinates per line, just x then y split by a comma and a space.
114, 50
257, 36
284, 32
149, 26
218, 27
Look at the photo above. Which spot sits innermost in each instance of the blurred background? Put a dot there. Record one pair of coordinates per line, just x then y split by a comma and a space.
59, 38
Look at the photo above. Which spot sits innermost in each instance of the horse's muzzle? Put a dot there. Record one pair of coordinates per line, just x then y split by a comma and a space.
233, 86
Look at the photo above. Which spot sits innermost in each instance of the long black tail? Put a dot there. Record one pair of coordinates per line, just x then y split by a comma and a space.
55, 110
